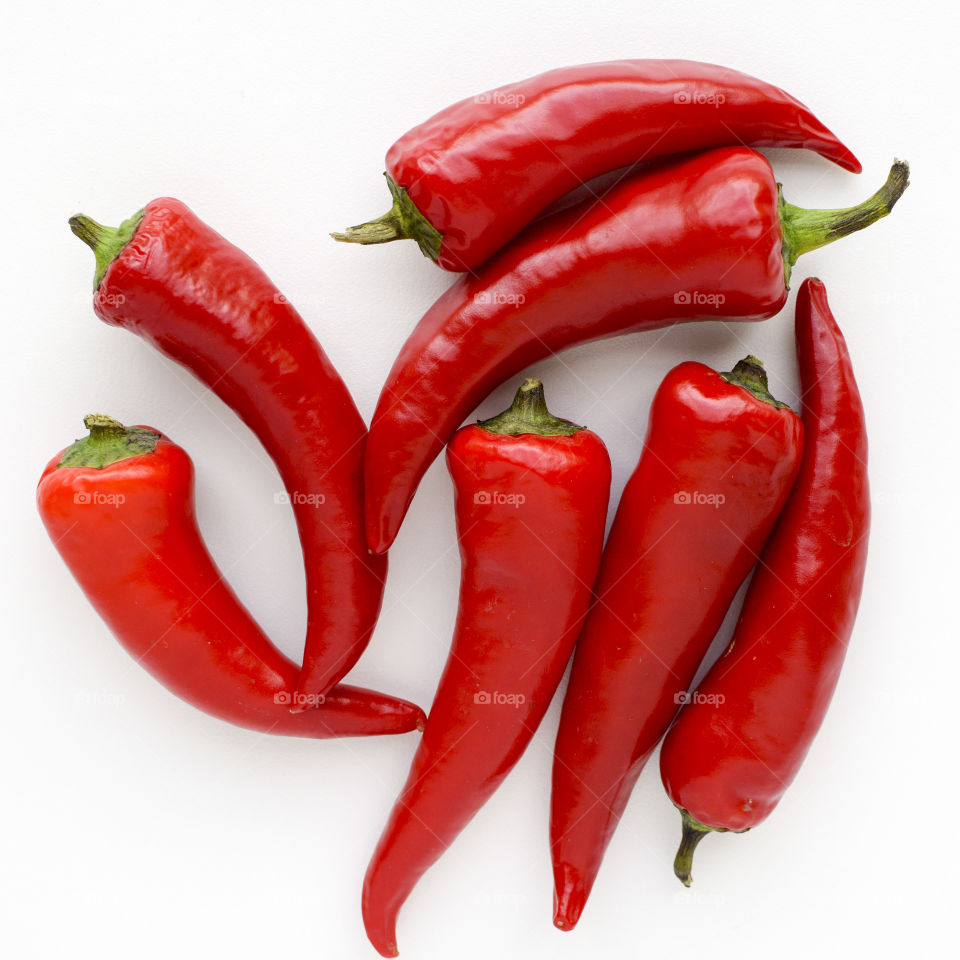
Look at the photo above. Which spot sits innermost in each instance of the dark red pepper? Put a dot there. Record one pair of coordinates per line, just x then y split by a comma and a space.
531, 503
717, 465
118, 506
473, 176
167, 276
736, 748
707, 237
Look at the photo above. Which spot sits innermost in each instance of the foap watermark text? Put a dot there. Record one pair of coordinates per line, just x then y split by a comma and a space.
698, 499
496, 498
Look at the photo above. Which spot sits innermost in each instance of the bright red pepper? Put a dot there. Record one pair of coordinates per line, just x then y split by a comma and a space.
167, 276
706, 237
736, 748
473, 176
717, 465
119, 508
531, 504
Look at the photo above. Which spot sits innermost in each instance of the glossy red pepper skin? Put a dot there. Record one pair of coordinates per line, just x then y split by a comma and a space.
481, 170
203, 302
728, 764
527, 572
129, 536
708, 224
670, 570
705, 237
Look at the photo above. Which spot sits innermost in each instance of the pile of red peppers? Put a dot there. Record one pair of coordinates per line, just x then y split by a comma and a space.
730, 481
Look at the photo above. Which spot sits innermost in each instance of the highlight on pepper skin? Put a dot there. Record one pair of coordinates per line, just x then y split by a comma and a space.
527, 485
696, 227
734, 750
720, 456
468, 180
118, 505
572, 278
167, 276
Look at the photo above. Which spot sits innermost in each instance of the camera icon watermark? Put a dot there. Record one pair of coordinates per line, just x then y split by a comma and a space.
96, 498
286, 698
682, 698
685, 498
492, 297
501, 98
499, 699
298, 499
699, 99
696, 298
496, 498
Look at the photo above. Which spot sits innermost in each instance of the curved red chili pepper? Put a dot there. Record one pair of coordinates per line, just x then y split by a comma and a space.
701, 238
473, 176
119, 508
737, 747
531, 503
717, 465
167, 276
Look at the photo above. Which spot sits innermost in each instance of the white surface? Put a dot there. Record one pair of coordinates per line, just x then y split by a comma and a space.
136, 826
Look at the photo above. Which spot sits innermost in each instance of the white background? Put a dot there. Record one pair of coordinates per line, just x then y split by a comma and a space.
133, 825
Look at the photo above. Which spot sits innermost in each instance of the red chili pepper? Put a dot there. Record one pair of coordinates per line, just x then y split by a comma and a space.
474, 175
705, 237
168, 277
717, 465
737, 747
118, 506
531, 503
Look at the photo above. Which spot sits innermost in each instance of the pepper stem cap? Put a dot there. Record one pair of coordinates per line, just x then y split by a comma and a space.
750, 374
105, 242
693, 833
529, 414
403, 221
109, 441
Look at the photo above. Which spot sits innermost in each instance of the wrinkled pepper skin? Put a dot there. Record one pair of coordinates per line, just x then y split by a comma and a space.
482, 169
530, 516
705, 237
727, 764
670, 569
129, 536
204, 303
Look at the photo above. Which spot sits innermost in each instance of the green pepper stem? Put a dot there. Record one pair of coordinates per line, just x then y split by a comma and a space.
109, 441
105, 242
750, 374
693, 833
403, 221
805, 230
102, 427
529, 414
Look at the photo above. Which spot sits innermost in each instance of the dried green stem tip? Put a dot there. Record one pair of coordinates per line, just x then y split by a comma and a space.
403, 221
105, 242
750, 374
529, 414
693, 833
109, 442
805, 230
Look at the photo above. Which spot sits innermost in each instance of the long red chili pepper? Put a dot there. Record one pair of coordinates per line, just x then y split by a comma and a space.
167, 276
705, 237
531, 502
118, 506
717, 465
737, 747
474, 175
